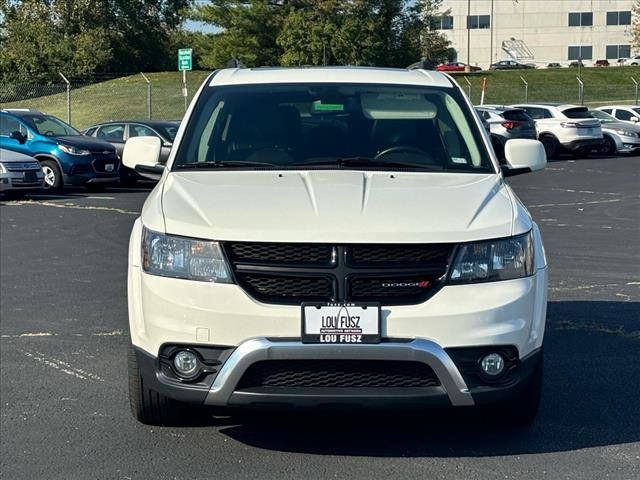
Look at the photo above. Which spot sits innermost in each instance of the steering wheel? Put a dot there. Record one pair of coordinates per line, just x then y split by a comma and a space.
400, 148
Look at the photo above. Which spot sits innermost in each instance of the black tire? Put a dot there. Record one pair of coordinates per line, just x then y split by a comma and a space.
551, 146
608, 146
53, 181
151, 407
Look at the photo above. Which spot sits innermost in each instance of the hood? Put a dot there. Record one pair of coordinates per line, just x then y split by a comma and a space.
86, 143
621, 126
336, 206
8, 156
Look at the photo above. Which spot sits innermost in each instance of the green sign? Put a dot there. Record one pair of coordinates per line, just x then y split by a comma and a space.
184, 59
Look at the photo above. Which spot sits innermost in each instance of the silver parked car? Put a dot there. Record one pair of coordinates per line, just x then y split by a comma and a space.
19, 172
619, 137
505, 123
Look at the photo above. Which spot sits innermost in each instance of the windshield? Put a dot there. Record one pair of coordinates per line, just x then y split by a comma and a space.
332, 126
50, 125
604, 117
637, 109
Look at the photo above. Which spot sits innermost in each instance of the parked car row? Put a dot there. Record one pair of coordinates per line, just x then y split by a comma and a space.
66, 157
564, 128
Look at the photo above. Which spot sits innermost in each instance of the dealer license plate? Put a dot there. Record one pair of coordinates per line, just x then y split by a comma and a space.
341, 323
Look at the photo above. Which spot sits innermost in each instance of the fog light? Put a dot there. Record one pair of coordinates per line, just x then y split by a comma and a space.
492, 364
185, 363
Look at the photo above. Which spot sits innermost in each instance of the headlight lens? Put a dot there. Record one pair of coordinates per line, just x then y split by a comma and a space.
73, 150
180, 257
627, 133
2, 169
494, 260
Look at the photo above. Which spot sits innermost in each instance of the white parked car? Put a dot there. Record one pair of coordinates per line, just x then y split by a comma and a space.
619, 137
564, 128
334, 236
623, 113
19, 172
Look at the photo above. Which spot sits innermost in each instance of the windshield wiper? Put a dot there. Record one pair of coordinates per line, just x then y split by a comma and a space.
222, 164
364, 162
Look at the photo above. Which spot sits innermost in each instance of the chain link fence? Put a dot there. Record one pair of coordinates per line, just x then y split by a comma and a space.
82, 104
527, 90
159, 96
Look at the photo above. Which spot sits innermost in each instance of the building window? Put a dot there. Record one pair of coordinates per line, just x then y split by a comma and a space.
618, 51
580, 53
478, 21
580, 19
619, 18
446, 22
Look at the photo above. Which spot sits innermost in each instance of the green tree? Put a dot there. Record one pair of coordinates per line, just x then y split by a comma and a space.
248, 31
38, 38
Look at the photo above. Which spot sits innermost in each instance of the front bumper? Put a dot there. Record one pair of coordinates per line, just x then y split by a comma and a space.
15, 181
92, 178
223, 389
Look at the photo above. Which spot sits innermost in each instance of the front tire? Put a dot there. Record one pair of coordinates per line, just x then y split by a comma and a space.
522, 410
151, 407
52, 176
551, 146
608, 146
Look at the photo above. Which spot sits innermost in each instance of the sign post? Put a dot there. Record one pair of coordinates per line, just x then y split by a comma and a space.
185, 63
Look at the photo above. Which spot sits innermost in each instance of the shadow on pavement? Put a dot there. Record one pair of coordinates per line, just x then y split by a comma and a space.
591, 398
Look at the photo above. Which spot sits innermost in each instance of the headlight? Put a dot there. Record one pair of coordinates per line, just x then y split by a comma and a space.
493, 260
2, 169
73, 150
627, 133
180, 257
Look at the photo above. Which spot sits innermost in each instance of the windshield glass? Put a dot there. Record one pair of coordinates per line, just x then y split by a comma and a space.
637, 109
604, 117
50, 125
329, 125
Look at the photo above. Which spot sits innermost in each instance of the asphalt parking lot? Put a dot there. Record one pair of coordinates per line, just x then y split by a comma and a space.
63, 384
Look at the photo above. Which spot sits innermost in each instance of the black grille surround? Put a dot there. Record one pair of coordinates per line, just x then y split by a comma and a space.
338, 374
294, 273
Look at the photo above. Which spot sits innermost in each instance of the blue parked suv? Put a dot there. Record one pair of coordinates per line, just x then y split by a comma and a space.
67, 157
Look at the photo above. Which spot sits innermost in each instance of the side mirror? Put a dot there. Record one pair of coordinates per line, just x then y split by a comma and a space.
16, 135
634, 119
523, 156
142, 154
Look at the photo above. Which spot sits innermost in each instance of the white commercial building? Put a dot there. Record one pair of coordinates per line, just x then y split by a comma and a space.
539, 31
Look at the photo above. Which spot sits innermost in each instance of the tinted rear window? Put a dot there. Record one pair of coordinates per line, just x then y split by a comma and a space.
577, 112
516, 115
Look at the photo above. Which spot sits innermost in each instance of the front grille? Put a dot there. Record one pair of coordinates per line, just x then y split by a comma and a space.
370, 255
338, 374
21, 166
270, 288
376, 288
292, 273
99, 164
281, 253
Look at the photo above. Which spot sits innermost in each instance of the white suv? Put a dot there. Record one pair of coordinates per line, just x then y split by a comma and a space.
623, 113
336, 236
564, 127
